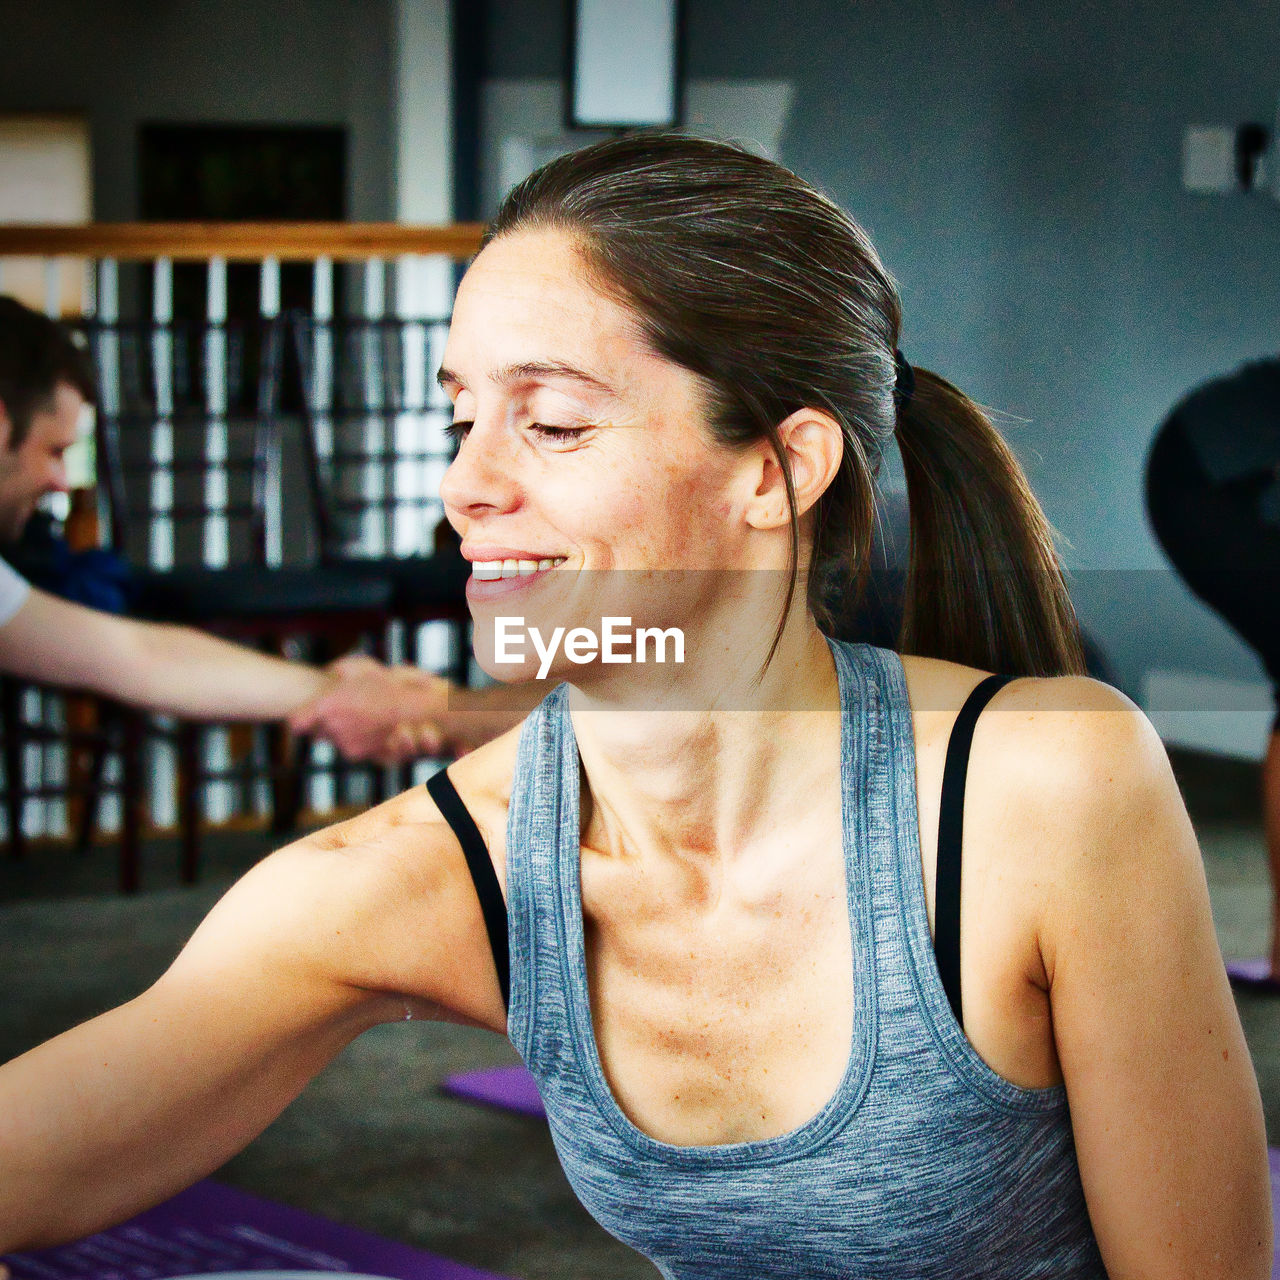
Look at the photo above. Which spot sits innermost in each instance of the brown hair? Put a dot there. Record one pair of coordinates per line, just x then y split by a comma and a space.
36, 354
745, 275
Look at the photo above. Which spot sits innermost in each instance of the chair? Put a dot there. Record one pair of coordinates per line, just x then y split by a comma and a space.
189, 460
88, 729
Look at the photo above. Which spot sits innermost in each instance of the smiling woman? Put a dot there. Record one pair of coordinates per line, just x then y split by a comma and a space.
775, 1032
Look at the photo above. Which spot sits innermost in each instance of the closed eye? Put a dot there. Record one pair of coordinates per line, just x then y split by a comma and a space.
556, 433
459, 431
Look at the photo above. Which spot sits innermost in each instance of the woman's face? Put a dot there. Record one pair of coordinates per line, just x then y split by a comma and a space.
582, 450
582, 443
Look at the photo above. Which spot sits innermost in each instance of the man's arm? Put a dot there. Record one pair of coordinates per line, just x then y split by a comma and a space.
367, 710
176, 670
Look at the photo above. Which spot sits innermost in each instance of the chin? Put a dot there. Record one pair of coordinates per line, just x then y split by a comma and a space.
506, 673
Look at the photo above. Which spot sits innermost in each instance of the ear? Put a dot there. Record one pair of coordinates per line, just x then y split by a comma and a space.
813, 445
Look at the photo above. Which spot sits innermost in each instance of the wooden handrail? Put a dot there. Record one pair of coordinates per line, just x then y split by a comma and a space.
254, 240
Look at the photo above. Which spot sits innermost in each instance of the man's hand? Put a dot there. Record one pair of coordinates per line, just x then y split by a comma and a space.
373, 712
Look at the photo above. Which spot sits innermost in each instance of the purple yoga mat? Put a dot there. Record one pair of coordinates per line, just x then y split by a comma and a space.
510, 1088
1253, 974
213, 1228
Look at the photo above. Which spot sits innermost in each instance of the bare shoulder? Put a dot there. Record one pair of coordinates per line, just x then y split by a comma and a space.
1082, 750
1076, 789
1061, 740
381, 902
1069, 787
402, 839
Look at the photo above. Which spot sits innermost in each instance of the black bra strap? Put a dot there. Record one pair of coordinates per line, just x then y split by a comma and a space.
946, 911
483, 876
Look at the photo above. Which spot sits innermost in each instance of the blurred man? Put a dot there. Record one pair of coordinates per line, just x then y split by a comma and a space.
45, 383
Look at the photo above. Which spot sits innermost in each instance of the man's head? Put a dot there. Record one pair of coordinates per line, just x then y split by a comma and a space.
45, 381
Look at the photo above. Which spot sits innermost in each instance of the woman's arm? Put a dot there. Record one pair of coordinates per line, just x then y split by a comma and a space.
1164, 1102
313, 946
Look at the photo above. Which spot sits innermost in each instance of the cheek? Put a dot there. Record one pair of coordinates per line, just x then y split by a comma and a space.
682, 513
699, 496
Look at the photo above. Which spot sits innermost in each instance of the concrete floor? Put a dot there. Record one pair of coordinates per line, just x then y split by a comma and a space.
372, 1142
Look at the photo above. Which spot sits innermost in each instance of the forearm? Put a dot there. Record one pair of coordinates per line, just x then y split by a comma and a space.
189, 673
124, 1111
162, 668
67, 1166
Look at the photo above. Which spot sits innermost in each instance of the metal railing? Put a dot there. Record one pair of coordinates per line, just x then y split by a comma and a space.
368, 300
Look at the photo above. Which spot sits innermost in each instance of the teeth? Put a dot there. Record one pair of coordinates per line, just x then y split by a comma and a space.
489, 570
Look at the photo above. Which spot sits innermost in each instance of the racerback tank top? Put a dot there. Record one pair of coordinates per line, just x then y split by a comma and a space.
923, 1165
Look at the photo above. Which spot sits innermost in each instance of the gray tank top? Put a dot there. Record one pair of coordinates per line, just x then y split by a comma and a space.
924, 1164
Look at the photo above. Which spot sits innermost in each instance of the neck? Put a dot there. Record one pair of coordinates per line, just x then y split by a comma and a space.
707, 781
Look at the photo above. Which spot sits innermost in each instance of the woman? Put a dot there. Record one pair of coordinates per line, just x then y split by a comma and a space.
674, 355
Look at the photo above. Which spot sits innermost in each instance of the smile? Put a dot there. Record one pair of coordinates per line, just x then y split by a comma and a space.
488, 570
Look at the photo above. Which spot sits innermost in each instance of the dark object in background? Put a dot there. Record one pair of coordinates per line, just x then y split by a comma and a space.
94, 577
241, 173
1232, 425
1213, 498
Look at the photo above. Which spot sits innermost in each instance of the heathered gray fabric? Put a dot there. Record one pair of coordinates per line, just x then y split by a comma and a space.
924, 1164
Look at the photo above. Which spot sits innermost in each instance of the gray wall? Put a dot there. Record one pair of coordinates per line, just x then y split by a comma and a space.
320, 62
1021, 176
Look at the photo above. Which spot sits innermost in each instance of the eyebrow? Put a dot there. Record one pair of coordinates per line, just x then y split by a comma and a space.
532, 371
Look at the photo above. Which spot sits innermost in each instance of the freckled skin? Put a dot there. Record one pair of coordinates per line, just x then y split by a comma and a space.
649, 452
590, 498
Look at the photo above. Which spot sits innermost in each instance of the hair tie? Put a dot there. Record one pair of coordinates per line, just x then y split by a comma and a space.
904, 382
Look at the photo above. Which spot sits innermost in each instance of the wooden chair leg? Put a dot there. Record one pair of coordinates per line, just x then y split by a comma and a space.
459, 668
132, 799
84, 717
189, 787
287, 759
87, 824
14, 783
380, 646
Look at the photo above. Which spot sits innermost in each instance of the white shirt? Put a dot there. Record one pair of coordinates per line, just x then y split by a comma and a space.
14, 590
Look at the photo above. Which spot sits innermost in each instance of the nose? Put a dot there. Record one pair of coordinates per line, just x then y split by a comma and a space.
482, 477
57, 478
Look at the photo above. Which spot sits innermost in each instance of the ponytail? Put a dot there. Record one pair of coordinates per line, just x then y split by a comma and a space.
984, 585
